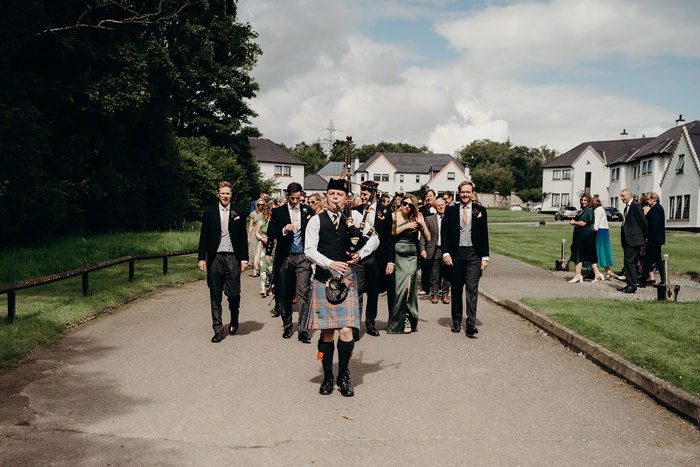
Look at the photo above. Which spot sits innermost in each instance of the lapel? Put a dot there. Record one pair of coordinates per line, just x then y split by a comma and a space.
217, 218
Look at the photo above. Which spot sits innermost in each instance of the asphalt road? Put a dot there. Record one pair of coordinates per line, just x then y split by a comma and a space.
144, 386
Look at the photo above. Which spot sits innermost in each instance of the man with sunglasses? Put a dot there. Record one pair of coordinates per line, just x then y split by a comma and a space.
291, 269
371, 271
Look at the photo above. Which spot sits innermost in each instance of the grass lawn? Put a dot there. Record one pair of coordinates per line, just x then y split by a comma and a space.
661, 337
505, 215
541, 245
44, 313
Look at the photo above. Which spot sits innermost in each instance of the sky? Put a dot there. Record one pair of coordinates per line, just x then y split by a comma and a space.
444, 73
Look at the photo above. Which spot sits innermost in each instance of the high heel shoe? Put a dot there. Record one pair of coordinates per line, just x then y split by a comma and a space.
577, 278
598, 277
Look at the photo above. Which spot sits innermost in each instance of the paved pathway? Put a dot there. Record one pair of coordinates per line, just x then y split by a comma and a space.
145, 386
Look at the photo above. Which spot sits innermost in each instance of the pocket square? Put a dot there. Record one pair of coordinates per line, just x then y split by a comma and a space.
236, 218
478, 216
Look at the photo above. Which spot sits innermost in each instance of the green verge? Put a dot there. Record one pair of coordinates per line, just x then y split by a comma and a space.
660, 337
506, 215
46, 312
541, 245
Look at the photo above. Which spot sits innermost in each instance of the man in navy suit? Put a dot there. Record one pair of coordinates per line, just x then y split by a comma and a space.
292, 269
633, 236
465, 250
656, 222
223, 254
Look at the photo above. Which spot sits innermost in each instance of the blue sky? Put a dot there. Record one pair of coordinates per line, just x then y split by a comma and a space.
443, 73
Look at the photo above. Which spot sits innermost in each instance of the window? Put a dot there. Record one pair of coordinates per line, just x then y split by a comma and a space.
401, 178
565, 199
650, 166
646, 167
362, 177
555, 199
278, 170
417, 178
672, 205
681, 164
614, 174
450, 175
385, 177
686, 207
566, 174
377, 177
636, 171
287, 170
613, 201
679, 207
556, 175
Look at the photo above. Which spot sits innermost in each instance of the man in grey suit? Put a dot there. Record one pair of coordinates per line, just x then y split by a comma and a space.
633, 236
431, 252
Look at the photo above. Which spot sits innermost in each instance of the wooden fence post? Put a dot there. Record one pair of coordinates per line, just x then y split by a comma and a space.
165, 265
11, 305
131, 269
85, 283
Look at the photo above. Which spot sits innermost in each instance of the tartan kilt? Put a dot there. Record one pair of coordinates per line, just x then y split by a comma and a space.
324, 315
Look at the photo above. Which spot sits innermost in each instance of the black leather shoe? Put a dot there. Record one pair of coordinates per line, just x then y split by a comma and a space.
304, 337
218, 337
345, 385
232, 329
372, 331
287, 332
274, 313
628, 289
641, 285
456, 327
472, 331
356, 334
327, 385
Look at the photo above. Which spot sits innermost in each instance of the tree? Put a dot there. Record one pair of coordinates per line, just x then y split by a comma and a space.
311, 154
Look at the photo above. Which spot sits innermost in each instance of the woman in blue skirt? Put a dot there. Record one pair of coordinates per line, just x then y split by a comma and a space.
602, 239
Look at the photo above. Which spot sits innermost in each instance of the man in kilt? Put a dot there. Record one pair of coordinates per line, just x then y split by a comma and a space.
328, 245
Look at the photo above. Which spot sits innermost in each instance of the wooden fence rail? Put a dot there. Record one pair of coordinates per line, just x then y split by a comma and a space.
11, 289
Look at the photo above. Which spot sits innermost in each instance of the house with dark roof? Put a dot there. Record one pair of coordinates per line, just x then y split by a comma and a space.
277, 163
407, 172
314, 183
667, 165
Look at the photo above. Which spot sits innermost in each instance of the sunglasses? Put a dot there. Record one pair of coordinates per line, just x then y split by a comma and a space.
406, 203
312, 202
294, 197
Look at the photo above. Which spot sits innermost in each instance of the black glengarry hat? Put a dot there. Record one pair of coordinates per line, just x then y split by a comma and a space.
338, 184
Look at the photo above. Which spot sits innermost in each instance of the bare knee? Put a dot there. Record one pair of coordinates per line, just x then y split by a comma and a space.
345, 334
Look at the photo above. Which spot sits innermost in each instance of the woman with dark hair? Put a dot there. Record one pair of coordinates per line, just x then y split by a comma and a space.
403, 291
583, 245
602, 238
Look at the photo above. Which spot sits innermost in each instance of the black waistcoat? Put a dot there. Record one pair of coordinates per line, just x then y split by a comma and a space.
332, 243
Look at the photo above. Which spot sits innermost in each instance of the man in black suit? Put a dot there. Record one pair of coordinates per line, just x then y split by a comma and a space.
223, 254
371, 271
633, 236
656, 223
428, 209
431, 253
292, 269
465, 246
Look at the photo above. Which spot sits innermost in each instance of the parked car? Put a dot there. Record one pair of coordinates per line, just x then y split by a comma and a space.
613, 214
534, 207
515, 207
565, 212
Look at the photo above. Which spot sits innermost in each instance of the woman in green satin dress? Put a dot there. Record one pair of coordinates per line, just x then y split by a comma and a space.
403, 291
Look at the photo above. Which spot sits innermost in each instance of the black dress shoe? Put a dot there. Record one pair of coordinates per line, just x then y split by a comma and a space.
327, 385
472, 331
628, 289
356, 334
345, 385
456, 327
372, 331
304, 337
641, 285
218, 337
287, 332
232, 329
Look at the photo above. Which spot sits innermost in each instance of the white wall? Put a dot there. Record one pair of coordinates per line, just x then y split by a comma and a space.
267, 169
687, 183
441, 183
549, 186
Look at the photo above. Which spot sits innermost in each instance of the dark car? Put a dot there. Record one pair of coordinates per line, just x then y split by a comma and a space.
613, 214
565, 212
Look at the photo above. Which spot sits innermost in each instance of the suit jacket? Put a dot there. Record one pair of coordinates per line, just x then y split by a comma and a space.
382, 224
210, 235
279, 218
425, 210
634, 227
451, 225
656, 222
432, 223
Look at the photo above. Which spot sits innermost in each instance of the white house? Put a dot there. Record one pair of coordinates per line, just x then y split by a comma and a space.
406, 172
680, 181
314, 183
277, 163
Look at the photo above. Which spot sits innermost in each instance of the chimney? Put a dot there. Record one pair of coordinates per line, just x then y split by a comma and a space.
680, 120
355, 165
624, 133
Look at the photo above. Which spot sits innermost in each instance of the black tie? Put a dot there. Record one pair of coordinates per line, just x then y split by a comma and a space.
625, 213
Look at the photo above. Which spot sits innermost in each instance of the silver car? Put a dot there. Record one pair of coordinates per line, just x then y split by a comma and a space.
565, 212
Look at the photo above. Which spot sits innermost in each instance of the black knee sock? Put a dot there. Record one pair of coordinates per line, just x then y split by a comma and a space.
325, 350
344, 354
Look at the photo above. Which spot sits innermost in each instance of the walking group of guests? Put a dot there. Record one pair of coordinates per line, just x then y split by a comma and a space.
325, 256
642, 235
